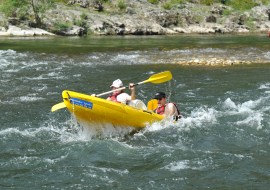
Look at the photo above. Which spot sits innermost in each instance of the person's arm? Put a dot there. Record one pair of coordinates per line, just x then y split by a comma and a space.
171, 110
132, 88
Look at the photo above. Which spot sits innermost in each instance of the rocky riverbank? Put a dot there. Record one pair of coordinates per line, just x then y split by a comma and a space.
139, 17
217, 62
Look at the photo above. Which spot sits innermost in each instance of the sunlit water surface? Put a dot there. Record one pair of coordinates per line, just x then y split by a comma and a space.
222, 141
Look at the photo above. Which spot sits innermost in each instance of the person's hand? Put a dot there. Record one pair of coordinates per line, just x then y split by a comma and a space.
94, 95
131, 86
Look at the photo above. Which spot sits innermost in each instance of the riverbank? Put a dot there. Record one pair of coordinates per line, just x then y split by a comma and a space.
84, 18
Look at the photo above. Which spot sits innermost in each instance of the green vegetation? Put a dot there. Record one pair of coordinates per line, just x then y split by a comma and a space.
9, 8
61, 1
90, 32
81, 23
227, 12
84, 16
62, 26
155, 2
242, 4
250, 24
167, 6
121, 5
265, 2
108, 2
177, 1
208, 2
198, 18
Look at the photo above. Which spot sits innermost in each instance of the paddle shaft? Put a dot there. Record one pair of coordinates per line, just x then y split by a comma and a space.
118, 89
157, 78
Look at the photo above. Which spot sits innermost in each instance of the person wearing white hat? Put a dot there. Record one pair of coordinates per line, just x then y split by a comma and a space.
120, 96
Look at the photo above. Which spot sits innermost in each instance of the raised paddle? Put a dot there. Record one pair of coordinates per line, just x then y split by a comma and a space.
157, 78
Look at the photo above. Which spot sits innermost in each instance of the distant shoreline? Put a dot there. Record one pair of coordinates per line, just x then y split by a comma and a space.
140, 18
44, 33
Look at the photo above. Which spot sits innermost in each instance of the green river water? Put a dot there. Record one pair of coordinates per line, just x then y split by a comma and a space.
221, 142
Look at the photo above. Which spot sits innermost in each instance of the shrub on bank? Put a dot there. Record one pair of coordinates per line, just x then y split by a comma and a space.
208, 2
242, 4
62, 1
155, 2
226, 12
84, 16
167, 6
61, 27
90, 32
121, 5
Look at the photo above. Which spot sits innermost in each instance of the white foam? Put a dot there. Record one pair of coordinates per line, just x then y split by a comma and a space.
229, 104
26, 160
267, 55
157, 126
40, 88
200, 117
265, 86
94, 57
127, 59
30, 132
12, 70
181, 165
252, 111
254, 120
240, 156
51, 93
245, 108
85, 131
29, 99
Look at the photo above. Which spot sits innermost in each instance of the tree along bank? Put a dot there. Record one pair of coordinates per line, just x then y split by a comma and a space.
133, 17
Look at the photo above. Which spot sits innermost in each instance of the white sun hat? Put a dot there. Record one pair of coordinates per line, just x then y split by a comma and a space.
117, 83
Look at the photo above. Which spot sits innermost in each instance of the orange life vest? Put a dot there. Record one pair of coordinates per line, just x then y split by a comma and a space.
161, 109
114, 96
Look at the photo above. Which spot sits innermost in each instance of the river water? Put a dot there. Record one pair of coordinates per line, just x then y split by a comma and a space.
222, 141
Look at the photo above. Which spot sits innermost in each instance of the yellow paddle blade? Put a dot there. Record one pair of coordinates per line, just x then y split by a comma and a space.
160, 77
152, 105
58, 106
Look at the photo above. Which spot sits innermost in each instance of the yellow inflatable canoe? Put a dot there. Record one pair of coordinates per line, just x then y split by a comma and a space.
92, 109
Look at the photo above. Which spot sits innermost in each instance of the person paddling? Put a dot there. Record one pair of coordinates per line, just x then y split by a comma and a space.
120, 96
169, 109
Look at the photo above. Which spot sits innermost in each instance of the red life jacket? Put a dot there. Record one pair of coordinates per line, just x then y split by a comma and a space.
114, 96
161, 109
